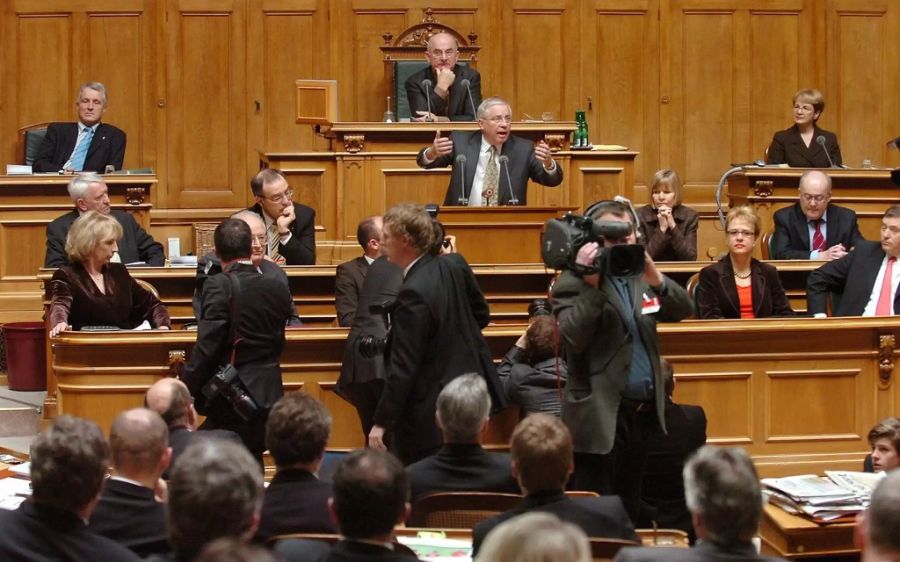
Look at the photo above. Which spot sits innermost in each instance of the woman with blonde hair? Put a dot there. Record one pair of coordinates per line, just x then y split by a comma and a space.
668, 228
535, 537
92, 291
739, 285
798, 146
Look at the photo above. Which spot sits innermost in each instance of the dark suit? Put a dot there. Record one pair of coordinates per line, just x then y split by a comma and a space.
135, 244
788, 148
717, 295
523, 164
678, 244
348, 282
791, 238
855, 289
435, 337
662, 493
35, 533
533, 387
362, 378
457, 106
107, 147
130, 515
350, 551
703, 552
264, 307
462, 467
301, 248
296, 501
180, 438
602, 517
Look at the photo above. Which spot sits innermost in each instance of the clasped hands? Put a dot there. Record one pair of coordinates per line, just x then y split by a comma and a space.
666, 220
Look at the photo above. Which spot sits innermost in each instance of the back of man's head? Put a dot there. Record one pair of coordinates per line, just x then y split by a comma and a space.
297, 430
215, 490
139, 440
541, 450
882, 521
462, 409
171, 399
722, 490
371, 492
233, 240
68, 464
368, 229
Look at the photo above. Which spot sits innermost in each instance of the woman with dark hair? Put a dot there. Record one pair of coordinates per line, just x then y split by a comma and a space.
528, 371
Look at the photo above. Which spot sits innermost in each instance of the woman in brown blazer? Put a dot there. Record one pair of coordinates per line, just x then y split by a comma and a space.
797, 146
92, 291
739, 285
668, 228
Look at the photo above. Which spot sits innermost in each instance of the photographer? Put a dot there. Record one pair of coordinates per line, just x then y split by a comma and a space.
244, 306
615, 394
435, 334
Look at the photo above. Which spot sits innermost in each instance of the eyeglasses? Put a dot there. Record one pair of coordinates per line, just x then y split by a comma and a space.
279, 198
437, 53
817, 198
742, 233
501, 119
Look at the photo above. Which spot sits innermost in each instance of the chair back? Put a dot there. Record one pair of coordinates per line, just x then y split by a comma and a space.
766, 245
148, 287
693, 286
606, 549
459, 510
403, 69
28, 141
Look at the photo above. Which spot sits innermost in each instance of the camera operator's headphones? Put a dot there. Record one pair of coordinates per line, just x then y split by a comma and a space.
618, 206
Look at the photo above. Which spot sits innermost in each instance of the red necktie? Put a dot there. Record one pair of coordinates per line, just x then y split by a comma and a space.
885, 306
818, 241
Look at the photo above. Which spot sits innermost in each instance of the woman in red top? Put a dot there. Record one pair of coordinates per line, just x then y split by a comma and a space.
739, 285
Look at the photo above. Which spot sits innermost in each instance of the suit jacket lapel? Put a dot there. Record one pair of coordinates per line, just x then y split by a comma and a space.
729, 287
473, 153
800, 147
802, 225
505, 189
758, 287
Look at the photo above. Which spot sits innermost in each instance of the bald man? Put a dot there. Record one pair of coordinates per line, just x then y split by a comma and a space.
450, 99
130, 510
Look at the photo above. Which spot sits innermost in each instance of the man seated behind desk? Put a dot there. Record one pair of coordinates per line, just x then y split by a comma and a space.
462, 465
478, 154
90, 193
866, 278
812, 228
88, 145
290, 227
450, 99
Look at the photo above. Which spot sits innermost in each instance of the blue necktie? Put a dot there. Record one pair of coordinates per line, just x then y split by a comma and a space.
80, 152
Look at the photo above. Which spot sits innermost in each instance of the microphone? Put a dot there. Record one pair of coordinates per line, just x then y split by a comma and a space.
821, 141
463, 200
465, 84
427, 85
504, 163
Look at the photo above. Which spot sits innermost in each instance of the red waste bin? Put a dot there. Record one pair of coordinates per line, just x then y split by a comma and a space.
26, 362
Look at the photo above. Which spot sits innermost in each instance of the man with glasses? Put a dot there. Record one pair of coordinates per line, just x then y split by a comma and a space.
290, 227
490, 166
811, 228
448, 95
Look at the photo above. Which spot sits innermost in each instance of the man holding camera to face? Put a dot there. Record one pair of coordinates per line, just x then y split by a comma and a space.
234, 373
615, 394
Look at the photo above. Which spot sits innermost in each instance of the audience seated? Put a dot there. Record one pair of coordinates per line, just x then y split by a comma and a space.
535, 537
662, 492
878, 528
349, 276
68, 464
528, 371
463, 412
542, 461
668, 228
884, 439
171, 399
215, 491
290, 227
371, 496
725, 501
296, 501
129, 511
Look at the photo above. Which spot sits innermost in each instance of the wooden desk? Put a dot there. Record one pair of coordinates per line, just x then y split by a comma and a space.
27, 205
797, 538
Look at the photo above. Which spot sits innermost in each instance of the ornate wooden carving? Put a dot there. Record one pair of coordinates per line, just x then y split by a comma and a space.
354, 143
886, 344
763, 188
556, 142
135, 195
176, 362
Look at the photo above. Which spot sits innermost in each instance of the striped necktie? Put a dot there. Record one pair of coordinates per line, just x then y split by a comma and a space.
81, 149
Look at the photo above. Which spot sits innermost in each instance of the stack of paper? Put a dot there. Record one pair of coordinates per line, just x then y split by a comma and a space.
821, 499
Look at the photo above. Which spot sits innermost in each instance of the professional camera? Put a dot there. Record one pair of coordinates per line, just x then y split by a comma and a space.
369, 345
563, 238
225, 383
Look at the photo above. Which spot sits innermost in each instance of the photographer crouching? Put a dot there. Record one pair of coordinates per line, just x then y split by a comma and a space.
607, 303
234, 373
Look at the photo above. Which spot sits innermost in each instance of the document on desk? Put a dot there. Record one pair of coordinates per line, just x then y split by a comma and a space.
13, 492
809, 488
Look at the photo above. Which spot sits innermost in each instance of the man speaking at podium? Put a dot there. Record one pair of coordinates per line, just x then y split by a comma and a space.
490, 166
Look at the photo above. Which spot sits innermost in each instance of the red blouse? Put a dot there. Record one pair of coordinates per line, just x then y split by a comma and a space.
745, 296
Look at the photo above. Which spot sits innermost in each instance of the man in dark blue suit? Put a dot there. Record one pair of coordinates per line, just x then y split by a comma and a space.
542, 461
449, 99
487, 181
812, 228
290, 227
88, 145
859, 277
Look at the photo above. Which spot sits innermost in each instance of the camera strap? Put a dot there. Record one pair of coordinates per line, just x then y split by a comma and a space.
235, 310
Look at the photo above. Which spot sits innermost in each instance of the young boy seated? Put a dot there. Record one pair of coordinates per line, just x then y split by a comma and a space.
884, 439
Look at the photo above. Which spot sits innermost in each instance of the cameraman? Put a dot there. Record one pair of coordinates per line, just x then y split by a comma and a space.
263, 305
435, 334
615, 395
